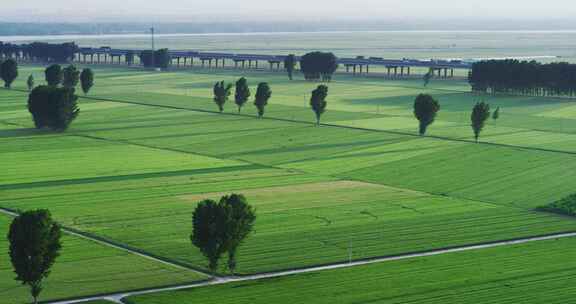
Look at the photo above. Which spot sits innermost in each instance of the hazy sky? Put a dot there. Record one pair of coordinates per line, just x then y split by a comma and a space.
391, 9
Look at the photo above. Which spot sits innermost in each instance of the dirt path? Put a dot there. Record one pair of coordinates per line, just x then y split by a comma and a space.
224, 280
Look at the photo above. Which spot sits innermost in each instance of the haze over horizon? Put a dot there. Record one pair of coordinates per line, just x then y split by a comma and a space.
260, 10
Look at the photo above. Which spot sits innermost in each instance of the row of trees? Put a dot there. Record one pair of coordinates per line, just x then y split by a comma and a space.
426, 108
55, 75
69, 77
42, 51
523, 78
223, 90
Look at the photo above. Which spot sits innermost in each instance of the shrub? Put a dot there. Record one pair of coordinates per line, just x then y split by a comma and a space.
566, 206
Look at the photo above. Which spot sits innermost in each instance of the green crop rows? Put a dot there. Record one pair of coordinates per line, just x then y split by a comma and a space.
138, 158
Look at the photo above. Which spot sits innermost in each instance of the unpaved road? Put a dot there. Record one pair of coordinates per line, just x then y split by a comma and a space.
224, 280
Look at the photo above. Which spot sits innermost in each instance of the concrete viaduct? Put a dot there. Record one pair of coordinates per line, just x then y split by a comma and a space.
357, 66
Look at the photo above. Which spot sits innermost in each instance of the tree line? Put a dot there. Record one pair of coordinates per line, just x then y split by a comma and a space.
41, 51
218, 228
523, 78
222, 92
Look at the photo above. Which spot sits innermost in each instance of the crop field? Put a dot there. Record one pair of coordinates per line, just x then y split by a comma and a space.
529, 274
86, 268
147, 147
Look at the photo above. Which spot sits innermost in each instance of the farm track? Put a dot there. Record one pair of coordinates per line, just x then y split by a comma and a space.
217, 280
118, 297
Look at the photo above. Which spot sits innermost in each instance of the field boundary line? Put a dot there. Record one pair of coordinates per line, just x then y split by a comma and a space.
341, 126
120, 296
118, 246
469, 141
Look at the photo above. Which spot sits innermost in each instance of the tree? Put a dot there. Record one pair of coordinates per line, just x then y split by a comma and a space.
290, 65
54, 75
86, 80
242, 93
53, 107
221, 94
240, 218
208, 222
318, 66
496, 114
30, 82
480, 113
318, 101
425, 110
263, 93
9, 72
161, 58
70, 76
34, 246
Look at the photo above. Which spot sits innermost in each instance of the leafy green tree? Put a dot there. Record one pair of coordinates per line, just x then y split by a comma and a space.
496, 114
318, 101
54, 75
425, 110
34, 246
53, 107
70, 76
159, 58
242, 93
9, 72
30, 82
86, 80
240, 218
480, 113
221, 94
208, 231
262, 96
290, 65
318, 66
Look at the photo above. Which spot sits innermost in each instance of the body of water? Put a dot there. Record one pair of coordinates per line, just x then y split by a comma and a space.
544, 46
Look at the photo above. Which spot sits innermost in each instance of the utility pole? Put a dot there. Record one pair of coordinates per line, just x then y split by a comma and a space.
153, 58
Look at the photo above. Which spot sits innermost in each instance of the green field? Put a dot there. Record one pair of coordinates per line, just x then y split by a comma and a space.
86, 268
529, 274
147, 147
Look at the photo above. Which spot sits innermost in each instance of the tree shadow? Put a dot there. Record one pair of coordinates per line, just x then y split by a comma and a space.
25, 132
